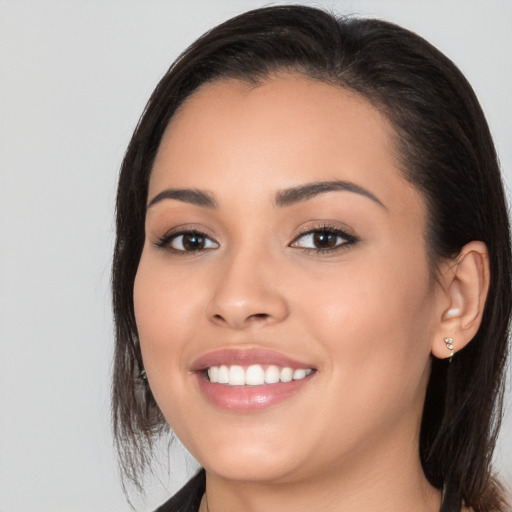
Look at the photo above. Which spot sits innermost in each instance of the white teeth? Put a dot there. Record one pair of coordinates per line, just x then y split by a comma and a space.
236, 376
223, 375
299, 374
286, 375
213, 374
272, 374
254, 375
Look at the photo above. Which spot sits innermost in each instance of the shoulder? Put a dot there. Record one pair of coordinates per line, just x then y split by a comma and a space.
188, 498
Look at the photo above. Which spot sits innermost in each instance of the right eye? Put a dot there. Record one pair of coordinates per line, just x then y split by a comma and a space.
187, 241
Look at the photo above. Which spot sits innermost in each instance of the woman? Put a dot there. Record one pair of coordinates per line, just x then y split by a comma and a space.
312, 272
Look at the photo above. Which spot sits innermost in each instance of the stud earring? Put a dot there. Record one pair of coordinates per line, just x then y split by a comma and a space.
142, 375
449, 346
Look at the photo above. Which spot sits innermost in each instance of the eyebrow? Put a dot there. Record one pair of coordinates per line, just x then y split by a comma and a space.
186, 195
284, 198
301, 193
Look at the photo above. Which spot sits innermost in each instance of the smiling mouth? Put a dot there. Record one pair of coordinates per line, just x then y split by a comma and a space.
250, 380
254, 375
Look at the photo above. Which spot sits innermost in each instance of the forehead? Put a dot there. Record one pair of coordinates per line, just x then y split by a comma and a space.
280, 133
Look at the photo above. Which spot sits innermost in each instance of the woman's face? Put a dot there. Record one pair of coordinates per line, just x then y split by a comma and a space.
282, 243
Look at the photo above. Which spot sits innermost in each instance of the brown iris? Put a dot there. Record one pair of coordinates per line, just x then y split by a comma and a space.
193, 242
324, 239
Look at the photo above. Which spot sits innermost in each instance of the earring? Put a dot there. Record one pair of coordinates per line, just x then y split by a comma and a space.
142, 375
449, 346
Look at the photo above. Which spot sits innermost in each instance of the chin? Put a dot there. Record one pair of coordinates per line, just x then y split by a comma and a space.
251, 468
255, 458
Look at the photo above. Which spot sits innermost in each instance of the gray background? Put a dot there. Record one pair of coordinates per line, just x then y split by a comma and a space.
74, 78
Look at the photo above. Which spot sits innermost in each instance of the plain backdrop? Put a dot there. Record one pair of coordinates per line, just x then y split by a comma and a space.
74, 78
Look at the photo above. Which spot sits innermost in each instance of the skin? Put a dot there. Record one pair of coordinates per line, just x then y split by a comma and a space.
367, 315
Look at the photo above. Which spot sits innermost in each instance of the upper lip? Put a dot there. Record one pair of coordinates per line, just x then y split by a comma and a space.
246, 357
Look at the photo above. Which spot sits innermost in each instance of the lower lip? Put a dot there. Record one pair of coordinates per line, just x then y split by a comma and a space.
249, 398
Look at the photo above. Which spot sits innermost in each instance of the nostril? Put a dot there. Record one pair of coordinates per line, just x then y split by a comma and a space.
238, 314
240, 321
257, 318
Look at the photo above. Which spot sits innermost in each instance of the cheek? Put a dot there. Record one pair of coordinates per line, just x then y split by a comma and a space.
164, 316
375, 320
374, 328
165, 324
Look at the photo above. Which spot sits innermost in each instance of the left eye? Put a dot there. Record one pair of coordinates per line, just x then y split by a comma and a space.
322, 240
190, 242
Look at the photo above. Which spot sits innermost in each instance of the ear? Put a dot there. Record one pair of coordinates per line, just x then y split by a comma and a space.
465, 282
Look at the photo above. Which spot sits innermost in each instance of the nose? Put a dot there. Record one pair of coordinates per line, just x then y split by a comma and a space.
247, 293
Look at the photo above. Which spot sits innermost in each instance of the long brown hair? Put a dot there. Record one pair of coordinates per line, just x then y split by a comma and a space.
446, 151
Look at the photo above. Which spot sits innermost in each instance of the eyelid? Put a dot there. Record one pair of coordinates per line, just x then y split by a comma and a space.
324, 225
164, 241
343, 233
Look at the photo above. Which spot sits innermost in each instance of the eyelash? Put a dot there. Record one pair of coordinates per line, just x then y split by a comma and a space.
327, 230
165, 242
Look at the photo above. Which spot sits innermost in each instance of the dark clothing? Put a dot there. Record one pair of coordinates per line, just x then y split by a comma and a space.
188, 498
